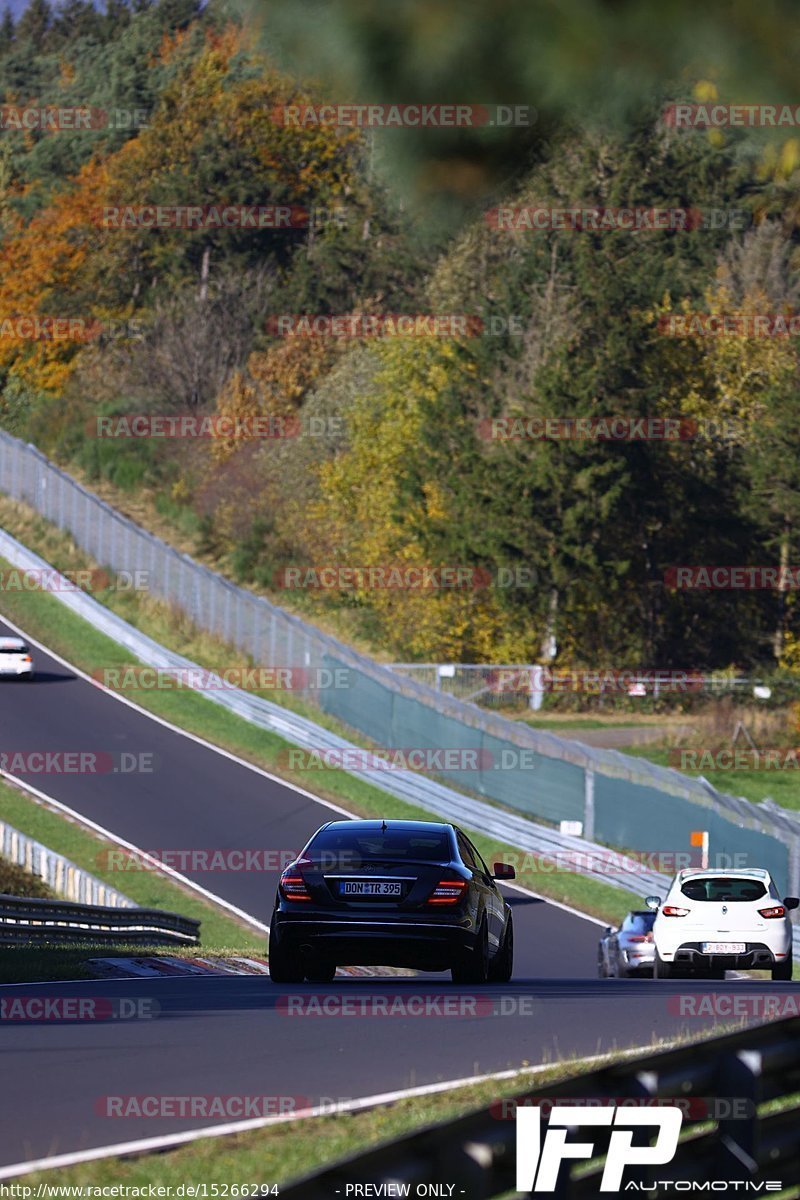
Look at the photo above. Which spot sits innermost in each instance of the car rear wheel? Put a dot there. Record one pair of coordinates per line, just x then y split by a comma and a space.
473, 967
285, 965
501, 968
782, 972
663, 970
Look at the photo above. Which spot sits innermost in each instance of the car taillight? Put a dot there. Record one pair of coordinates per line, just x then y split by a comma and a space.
670, 910
640, 937
448, 891
26, 658
292, 885
777, 911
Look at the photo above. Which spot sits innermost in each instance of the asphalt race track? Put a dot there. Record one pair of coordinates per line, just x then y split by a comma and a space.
227, 1036
196, 798
223, 1036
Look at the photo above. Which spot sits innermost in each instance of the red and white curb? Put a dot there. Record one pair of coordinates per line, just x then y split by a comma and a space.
153, 966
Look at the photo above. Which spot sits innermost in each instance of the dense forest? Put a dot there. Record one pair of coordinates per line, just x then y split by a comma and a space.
394, 455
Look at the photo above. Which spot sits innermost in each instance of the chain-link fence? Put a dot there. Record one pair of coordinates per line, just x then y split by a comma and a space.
620, 800
509, 686
521, 686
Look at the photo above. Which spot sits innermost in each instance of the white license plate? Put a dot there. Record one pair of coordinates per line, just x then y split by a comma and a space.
370, 887
724, 947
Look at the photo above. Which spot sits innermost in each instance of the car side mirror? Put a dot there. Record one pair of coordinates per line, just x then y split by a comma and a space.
653, 902
608, 929
503, 871
791, 902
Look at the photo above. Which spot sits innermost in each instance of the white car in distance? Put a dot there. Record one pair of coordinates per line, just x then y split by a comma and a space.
711, 922
15, 658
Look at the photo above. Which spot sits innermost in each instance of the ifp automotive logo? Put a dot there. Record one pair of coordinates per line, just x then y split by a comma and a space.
539, 1160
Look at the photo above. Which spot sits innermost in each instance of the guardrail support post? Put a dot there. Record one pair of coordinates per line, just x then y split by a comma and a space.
740, 1080
793, 882
588, 804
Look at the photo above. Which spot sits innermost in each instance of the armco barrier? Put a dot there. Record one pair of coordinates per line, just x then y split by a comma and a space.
621, 801
65, 879
476, 1154
23, 920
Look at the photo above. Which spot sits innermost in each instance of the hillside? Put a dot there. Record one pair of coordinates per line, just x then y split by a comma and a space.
185, 254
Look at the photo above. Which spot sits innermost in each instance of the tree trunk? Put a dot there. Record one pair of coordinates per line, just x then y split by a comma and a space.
780, 630
204, 269
549, 647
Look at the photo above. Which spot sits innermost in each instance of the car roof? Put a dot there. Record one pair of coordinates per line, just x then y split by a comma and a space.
391, 826
12, 643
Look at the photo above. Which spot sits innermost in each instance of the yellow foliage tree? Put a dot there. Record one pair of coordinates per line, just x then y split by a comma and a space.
366, 518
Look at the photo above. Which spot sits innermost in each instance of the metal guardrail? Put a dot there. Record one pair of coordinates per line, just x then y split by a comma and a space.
64, 877
24, 920
477, 1153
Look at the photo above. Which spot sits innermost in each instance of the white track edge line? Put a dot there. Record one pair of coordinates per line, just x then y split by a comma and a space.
194, 737
162, 867
174, 1140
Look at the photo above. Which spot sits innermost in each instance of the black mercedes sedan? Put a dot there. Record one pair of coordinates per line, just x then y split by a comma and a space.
391, 893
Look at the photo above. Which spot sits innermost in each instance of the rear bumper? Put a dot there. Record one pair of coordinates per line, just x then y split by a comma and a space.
15, 672
756, 955
638, 964
429, 943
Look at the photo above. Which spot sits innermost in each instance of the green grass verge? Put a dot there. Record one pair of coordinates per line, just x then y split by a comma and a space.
220, 934
44, 617
554, 723
782, 786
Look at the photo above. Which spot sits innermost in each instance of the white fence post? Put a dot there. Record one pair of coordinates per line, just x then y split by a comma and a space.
588, 804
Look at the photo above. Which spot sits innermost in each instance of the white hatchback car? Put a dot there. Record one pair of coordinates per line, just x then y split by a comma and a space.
15, 658
716, 921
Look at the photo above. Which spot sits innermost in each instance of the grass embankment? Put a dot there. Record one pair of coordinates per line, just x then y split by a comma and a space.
556, 721
180, 527
782, 786
44, 617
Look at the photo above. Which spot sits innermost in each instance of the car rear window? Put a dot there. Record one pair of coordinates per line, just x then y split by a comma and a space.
13, 649
722, 888
638, 922
430, 847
